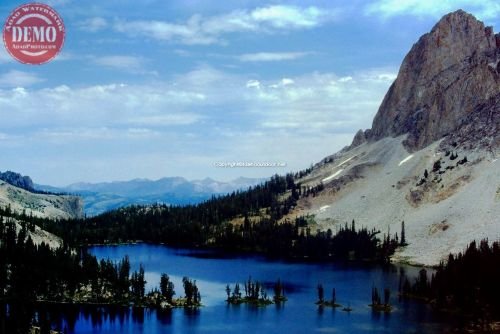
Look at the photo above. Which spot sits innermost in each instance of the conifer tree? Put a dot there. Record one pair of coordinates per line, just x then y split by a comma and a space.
167, 288
321, 293
403, 234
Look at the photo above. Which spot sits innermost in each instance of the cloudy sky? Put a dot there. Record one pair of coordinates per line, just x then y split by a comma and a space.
154, 88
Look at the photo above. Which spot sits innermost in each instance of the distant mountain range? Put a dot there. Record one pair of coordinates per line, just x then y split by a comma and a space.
105, 196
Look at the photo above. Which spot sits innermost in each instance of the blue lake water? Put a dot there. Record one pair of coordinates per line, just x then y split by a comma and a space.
353, 283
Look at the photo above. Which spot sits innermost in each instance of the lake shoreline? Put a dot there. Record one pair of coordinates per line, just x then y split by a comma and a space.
230, 253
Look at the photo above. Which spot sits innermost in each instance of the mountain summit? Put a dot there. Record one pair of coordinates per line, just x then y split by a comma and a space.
444, 79
431, 157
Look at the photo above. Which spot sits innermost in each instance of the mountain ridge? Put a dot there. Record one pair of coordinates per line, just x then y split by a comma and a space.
17, 180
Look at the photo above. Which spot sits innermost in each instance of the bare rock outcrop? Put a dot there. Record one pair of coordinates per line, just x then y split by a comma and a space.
17, 180
443, 80
359, 139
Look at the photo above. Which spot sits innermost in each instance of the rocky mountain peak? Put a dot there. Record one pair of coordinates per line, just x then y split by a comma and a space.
445, 76
17, 180
456, 37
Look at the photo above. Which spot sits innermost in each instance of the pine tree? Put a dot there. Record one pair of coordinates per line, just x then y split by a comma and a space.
142, 282
321, 293
123, 276
193, 296
387, 296
375, 297
138, 284
236, 291
279, 291
167, 288
403, 234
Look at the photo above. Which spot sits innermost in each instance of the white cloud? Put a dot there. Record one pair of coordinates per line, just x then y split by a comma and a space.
209, 30
15, 78
271, 56
345, 79
206, 79
94, 133
290, 17
311, 101
168, 119
182, 53
110, 106
120, 62
131, 64
485, 9
387, 76
93, 24
253, 84
187, 123
65, 56
270, 18
283, 82
319, 102
307, 103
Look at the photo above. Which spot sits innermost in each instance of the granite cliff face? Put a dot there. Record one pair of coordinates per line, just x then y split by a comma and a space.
445, 78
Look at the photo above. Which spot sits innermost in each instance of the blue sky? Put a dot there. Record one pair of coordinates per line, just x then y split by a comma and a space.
168, 88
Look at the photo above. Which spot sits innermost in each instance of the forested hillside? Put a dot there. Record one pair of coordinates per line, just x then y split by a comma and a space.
251, 220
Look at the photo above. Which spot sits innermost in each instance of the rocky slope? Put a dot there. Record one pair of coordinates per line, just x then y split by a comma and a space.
380, 184
40, 205
430, 158
21, 200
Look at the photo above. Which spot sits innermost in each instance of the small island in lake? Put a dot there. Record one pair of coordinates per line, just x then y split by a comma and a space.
377, 304
321, 298
255, 294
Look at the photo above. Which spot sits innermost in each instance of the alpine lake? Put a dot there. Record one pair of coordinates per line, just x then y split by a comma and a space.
353, 283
